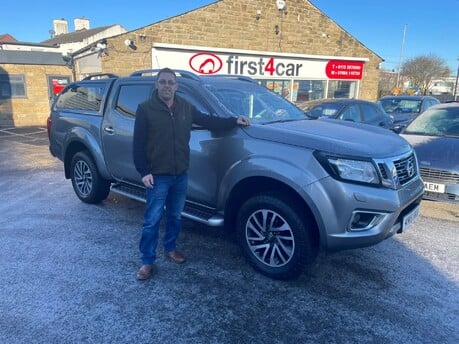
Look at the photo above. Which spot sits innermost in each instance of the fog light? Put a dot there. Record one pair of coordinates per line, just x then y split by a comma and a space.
364, 220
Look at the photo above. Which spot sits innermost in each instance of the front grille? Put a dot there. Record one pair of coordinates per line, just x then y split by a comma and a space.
398, 171
406, 169
441, 196
439, 176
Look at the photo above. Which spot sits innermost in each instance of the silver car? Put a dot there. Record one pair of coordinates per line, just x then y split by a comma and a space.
435, 138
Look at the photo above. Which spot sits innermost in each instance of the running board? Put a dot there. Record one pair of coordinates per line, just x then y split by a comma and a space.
191, 211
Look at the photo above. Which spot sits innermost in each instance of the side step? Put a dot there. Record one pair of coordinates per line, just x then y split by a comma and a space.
191, 211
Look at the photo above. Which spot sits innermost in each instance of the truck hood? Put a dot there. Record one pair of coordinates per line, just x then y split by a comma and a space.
334, 136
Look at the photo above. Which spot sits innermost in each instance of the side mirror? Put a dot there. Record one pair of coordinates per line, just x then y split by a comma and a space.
312, 114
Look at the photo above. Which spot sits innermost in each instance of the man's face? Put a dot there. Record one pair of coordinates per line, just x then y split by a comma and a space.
166, 85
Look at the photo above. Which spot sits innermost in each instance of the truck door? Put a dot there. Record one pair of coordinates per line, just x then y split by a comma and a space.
118, 127
207, 156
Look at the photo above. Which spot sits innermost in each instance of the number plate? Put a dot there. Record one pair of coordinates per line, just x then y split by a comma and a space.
434, 187
410, 218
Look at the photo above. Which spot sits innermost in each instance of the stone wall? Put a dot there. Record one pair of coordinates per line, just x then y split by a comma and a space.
34, 108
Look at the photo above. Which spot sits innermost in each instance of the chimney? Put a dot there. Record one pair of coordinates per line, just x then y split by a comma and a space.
60, 26
81, 23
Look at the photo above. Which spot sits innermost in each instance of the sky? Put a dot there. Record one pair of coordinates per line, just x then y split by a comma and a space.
396, 30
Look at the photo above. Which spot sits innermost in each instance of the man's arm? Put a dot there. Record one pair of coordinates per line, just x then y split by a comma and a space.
218, 123
140, 142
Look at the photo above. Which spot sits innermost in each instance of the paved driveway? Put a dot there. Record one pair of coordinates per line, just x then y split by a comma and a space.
68, 275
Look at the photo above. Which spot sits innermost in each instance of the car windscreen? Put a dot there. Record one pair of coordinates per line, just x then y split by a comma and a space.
254, 101
436, 122
394, 106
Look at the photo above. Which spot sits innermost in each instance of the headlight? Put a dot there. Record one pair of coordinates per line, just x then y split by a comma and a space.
350, 169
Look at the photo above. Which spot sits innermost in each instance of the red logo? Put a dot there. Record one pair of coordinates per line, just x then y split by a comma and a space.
205, 63
337, 69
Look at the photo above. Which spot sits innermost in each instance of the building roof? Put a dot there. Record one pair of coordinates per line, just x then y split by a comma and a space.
31, 57
77, 36
7, 38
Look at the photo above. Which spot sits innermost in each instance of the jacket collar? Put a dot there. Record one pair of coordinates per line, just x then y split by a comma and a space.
159, 104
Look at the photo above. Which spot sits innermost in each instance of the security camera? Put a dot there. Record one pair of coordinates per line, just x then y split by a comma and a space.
280, 4
129, 42
101, 45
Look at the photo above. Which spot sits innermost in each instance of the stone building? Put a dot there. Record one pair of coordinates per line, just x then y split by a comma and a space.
32, 73
290, 46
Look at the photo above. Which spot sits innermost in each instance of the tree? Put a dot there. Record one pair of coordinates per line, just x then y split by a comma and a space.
421, 70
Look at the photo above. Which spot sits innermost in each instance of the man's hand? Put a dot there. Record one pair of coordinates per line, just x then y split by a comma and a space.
148, 180
242, 120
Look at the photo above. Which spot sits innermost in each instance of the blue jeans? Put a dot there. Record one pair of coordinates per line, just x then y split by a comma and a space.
168, 191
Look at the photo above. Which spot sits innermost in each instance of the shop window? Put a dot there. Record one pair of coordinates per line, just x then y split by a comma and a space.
342, 89
281, 87
309, 90
12, 86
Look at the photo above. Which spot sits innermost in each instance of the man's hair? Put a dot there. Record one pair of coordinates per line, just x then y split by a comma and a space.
165, 70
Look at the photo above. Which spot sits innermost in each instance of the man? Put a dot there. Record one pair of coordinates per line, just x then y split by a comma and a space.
161, 156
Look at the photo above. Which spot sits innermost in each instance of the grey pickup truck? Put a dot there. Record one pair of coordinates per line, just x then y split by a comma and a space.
288, 185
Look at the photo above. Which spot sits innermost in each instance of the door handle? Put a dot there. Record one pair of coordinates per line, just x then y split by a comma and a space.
109, 130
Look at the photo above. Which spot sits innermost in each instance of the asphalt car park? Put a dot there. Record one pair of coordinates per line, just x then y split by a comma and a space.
68, 274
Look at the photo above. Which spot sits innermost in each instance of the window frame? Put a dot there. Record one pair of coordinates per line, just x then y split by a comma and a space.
10, 80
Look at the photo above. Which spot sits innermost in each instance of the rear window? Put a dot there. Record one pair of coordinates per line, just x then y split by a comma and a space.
82, 96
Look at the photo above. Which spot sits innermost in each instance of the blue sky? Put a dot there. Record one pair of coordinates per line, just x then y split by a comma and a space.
431, 26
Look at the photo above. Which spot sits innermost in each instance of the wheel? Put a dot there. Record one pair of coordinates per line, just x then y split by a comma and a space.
275, 238
88, 184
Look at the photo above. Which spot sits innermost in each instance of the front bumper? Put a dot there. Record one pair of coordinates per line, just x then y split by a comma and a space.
381, 212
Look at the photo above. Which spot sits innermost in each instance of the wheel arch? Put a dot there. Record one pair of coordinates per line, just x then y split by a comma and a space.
79, 140
256, 185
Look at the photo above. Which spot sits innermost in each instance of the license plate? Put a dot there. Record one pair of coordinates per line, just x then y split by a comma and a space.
410, 218
434, 187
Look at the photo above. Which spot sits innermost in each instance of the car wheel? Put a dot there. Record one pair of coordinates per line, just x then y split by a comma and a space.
87, 182
275, 237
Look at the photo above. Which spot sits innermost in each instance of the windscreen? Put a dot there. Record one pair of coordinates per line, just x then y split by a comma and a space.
254, 101
436, 122
394, 106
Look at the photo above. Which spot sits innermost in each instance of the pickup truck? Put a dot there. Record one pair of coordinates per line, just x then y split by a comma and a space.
288, 185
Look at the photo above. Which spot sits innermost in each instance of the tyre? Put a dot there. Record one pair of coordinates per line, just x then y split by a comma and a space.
88, 184
275, 237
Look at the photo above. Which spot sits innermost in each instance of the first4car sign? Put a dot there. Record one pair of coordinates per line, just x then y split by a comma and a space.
208, 61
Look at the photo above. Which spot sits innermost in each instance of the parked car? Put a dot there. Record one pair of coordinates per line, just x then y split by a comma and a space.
354, 110
434, 134
406, 108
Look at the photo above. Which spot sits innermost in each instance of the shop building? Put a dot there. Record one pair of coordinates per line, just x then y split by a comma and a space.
290, 46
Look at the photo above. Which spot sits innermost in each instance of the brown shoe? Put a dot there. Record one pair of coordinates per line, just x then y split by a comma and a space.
176, 257
144, 272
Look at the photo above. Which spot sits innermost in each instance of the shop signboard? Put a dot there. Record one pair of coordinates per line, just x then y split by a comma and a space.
349, 70
255, 64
